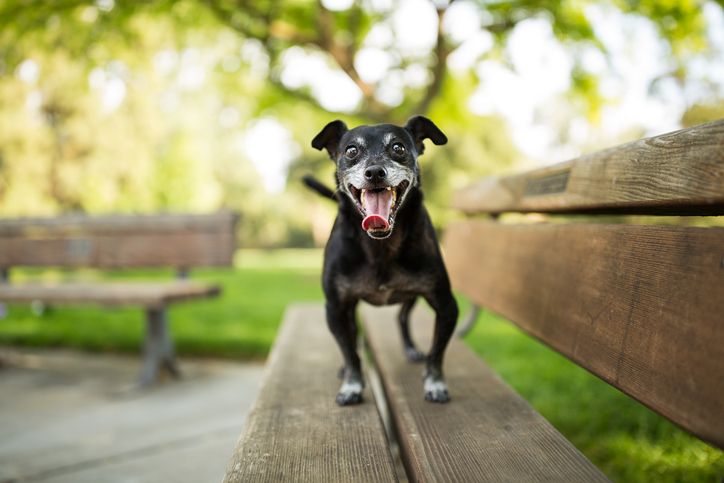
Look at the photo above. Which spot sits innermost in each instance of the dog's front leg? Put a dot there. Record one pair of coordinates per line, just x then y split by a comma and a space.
446, 316
343, 325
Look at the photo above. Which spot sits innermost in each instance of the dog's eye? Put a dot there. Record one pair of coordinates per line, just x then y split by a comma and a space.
351, 152
398, 149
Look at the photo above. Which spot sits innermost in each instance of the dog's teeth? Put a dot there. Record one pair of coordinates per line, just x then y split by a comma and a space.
389, 188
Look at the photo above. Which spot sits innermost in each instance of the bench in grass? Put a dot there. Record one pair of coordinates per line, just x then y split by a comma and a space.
640, 306
115, 242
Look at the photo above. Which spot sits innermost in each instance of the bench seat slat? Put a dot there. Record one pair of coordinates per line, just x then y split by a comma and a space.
148, 294
486, 433
642, 307
296, 431
675, 173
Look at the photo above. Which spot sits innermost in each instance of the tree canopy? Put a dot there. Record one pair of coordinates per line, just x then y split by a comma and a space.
138, 106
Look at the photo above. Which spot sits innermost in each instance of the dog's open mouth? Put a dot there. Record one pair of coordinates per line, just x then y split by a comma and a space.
378, 207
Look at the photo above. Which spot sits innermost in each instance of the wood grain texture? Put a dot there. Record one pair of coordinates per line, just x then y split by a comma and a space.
119, 241
677, 173
296, 432
110, 224
642, 307
486, 433
147, 294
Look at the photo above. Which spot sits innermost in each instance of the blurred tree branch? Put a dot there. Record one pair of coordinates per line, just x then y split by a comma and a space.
438, 70
277, 34
279, 25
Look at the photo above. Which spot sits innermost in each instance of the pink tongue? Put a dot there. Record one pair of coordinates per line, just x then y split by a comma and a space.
377, 205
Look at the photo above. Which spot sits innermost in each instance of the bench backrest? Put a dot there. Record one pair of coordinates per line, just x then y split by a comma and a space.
640, 306
164, 240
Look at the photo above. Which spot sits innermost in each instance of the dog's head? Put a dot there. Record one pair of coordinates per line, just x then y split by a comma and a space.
377, 166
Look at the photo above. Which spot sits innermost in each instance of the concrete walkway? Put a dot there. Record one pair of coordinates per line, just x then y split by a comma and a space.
70, 417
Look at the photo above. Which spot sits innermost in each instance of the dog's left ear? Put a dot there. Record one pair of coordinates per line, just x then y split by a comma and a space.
422, 128
328, 138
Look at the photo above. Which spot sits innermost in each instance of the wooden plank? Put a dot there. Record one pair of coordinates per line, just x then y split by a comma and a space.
138, 250
109, 224
677, 173
123, 241
486, 433
148, 294
642, 307
296, 432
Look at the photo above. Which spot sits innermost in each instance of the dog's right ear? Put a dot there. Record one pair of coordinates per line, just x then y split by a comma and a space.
328, 138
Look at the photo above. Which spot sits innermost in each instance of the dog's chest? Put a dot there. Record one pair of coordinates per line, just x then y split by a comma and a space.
395, 286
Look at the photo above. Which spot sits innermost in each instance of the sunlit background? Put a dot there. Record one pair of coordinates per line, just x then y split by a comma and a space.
192, 106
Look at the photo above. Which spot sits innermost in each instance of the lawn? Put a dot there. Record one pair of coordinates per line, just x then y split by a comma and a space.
627, 441
241, 323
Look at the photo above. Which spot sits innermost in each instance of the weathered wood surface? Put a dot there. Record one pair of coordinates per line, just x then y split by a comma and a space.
119, 241
486, 433
118, 223
676, 173
642, 307
148, 294
296, 432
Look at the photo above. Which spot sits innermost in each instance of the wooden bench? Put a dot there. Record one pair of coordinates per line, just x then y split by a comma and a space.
296, 431
641, 306
115, 242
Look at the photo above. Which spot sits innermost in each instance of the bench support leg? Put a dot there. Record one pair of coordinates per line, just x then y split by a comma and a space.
159, 352
4, 278
469, 321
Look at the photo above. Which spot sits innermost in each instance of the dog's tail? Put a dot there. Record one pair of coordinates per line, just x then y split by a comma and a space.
315, 185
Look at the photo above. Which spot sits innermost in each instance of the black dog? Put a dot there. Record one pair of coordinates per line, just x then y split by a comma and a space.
383, 247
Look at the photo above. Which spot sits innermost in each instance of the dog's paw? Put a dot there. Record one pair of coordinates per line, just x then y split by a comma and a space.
348, 399
350, 393
436, 390
414, 355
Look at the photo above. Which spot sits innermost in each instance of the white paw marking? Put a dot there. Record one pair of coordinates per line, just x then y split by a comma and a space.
350, 388
434, 385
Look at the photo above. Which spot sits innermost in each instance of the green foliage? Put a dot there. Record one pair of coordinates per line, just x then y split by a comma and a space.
477, 146
681, 22
702, 113
64, 146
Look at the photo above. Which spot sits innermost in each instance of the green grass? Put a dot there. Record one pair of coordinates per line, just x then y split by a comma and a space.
241, 323
627, 441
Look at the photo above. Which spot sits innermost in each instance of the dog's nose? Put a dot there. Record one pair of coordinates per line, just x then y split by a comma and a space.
375, 173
